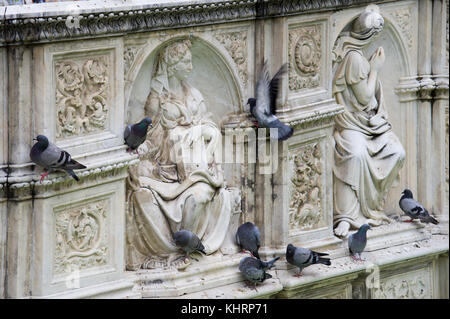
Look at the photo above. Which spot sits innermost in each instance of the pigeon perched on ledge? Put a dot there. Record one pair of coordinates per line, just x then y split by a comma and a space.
304, 257
254, 270
248, 238
414, 209
51, 157
263, 107
135, 134
357, 242
188, 242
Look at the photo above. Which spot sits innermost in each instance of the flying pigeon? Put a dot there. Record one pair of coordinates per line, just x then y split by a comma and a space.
136, 134
304, 257
248, 238
51, 157
263, 107
188, 241
357, 242
254, 270
414, 209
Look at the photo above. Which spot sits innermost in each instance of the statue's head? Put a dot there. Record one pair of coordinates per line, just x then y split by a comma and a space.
178, 59
368, 23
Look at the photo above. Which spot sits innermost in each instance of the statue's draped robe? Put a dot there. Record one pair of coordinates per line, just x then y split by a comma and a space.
368, 155
168, 193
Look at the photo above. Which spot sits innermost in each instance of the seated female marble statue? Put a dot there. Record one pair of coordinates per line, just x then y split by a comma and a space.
169, 191
368, 155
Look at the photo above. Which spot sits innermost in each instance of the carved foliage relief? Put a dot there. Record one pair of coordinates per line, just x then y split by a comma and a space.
305, 207
81, 237
403, 19
236, 45
82, 91
129, 55
304, 57
413, 285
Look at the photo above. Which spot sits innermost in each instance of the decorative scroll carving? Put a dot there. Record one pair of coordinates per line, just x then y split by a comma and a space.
305, 209
304, 57
236, 45
81, 240
414, 285
81, 96
403, 19
129, 55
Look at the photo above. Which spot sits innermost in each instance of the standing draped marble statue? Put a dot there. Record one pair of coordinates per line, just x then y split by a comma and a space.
368, 155
167, 190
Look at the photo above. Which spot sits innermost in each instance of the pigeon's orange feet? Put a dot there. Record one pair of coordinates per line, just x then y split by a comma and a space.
408, 221
298, 275
44, 175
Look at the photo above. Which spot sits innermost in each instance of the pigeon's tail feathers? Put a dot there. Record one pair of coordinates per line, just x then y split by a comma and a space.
75, 165
271, 263
75, 177
283, 131
320, 254
430, 219
267, 276
324, 261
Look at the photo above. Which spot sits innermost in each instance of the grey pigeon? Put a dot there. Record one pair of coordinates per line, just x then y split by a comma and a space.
357, 242
135, 134
254, 270
263, 107
188, 241
304, 257
248, 238
51, 157
414, 209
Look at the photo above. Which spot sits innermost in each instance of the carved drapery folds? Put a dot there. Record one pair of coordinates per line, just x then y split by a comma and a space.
82, 96
236, 45
81, 239
304, 57
305, 209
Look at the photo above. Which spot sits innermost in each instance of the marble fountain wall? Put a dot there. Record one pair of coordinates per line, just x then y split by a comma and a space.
80, 82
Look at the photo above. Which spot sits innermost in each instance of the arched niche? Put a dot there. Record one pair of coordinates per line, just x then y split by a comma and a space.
397, 65
211, 75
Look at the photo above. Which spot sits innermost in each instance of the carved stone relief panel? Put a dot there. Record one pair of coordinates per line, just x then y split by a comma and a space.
305, 54
412, 285
81, 237
403, 18
305, 204
82, 95
236, 45
129, 55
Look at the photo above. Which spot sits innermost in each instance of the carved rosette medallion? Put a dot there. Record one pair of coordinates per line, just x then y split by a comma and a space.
236, 45
413, 285
81, 237
304, 57
305, 207
82, 90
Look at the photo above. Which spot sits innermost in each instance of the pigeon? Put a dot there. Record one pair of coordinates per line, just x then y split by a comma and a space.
357, 242
414, 209
263, 107
248, 238
188, 241
304, 257
254, 270
136, 134
51, 157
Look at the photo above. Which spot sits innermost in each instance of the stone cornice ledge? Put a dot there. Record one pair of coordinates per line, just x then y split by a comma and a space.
48, 21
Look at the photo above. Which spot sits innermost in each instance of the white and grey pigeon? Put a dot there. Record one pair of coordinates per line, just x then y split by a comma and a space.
248, 238
357, 242
51, 158
304, 257
254, 270
263, 107
188, 242
414, 209
135, 134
